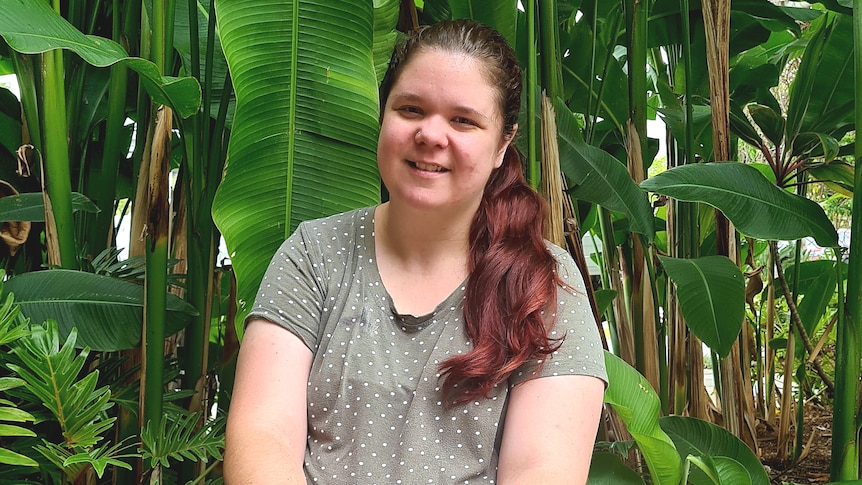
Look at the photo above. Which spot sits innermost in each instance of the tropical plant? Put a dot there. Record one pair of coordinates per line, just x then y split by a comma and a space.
674, 272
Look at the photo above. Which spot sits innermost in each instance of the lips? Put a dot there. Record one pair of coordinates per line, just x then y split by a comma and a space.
427, 167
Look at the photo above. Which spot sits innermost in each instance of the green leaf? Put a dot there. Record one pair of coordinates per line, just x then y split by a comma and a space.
500, 15
718, 471
51, 373
9, 457
816, 145
107, 311
218, 66
11, 327
817, 285
598, 177
837, 174
607, 469
700, 438
102, 457
385, 16
711, 293
30, 206
304, 137
12, 430
769, 122
824, 80
604, 299
182, 439
33, 27
756, 207
638, 406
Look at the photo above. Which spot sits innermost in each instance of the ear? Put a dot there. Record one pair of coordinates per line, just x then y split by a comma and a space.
504, 144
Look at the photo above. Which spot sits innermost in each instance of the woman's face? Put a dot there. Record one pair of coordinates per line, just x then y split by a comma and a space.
441, 135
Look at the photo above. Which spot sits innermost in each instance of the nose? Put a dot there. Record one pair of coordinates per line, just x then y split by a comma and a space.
432, 132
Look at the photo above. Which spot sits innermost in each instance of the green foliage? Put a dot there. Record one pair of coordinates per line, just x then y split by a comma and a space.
74, 461
179, 438
598, 177
31, 206
32, 27
108, 311
695, 437
756, 207
637, 404
711, 295
305, 130
51, 372
607, 469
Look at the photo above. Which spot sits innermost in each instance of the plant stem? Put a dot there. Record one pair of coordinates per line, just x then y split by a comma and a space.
844, 464
797, 323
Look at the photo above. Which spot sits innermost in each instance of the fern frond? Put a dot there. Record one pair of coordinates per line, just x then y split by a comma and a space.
181, 439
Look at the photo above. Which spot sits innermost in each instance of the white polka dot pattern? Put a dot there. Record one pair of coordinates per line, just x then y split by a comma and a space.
375, 413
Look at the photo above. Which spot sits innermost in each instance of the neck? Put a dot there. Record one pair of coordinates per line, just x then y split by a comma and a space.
420, 239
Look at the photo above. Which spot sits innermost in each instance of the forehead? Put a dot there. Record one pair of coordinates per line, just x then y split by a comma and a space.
447, 73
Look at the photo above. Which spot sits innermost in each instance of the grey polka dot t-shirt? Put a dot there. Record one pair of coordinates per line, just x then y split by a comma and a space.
375, 412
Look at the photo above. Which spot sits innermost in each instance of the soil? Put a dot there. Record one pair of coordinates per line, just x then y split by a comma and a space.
813, 467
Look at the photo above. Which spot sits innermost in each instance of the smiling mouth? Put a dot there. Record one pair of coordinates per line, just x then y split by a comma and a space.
426, 167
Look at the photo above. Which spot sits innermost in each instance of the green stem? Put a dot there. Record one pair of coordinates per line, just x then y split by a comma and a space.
847, 413
104, 191
552, 74
56, 154
26, 77
533, 95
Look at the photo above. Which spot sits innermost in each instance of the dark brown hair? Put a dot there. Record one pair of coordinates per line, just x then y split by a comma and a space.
512, 274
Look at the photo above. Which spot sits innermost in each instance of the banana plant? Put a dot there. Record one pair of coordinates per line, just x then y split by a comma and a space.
305, 129
676, 449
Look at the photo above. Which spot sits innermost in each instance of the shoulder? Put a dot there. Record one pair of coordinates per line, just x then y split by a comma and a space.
567, 269
337, 225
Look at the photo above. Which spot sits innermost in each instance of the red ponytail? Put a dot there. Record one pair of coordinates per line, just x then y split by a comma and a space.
512, 281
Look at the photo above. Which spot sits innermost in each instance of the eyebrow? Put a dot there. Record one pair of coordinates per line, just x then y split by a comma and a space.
464, 110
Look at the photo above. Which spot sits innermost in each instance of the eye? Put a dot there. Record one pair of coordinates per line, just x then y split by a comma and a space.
409, 110
464, 121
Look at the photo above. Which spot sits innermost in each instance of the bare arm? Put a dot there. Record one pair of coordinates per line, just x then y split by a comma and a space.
549, 430
267, 422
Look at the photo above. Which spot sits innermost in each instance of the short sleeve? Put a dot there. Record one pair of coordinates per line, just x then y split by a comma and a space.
290, 294
581, 351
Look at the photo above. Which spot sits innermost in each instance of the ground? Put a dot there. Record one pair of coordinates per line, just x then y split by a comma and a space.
813, 468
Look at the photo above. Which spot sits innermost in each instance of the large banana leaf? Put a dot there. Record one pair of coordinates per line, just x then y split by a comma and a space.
756, 207
385, 16
700, 438
32, 27
637, 404
108, 312
711, 295
305, 129
598, 177
501, 15
31, 206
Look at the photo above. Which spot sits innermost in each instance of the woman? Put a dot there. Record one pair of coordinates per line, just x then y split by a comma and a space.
435, 338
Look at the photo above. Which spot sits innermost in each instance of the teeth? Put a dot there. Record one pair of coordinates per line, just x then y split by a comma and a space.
429, 168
